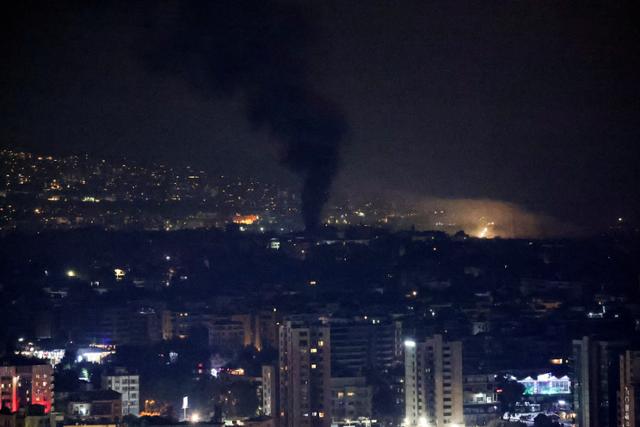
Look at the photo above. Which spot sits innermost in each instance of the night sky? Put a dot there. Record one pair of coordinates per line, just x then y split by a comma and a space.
529, 102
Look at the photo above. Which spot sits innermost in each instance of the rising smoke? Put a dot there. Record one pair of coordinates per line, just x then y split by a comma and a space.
258, 50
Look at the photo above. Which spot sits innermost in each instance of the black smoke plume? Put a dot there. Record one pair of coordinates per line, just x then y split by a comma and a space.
259, 50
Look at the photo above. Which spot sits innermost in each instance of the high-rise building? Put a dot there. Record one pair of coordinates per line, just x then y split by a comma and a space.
270, 390
128, 385
629, 393
305, 375
596, 371
433, 383
24, 384
362, 344
351, 399
127, 324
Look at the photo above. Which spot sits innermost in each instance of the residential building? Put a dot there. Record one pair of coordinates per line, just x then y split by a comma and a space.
350, 398
227, 333
305, 375
128, 385
480, 399
24, 383
95, 405
433, 383
629, 393
358, 344
596, 371
270, 389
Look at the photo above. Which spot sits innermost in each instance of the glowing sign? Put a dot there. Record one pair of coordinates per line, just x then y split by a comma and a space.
546, 384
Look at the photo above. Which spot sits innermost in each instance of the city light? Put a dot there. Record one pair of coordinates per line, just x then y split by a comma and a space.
245, 219
177, 180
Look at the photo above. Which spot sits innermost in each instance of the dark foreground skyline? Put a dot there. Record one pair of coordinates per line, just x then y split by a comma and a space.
533, 103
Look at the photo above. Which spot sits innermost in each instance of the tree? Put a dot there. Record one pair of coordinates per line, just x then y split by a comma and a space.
509, 393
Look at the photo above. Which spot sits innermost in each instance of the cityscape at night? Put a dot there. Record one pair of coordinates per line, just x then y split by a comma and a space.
320, 213
44, 192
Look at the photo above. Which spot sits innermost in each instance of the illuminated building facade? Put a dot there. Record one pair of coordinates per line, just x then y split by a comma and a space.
433, 383
305, 375
269, 390
24, 384
629, 393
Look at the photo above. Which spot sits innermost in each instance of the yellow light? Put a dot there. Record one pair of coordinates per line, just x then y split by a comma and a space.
195, 417
71, 273
245, 219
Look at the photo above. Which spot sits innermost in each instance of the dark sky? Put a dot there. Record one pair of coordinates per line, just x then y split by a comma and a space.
531, 102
